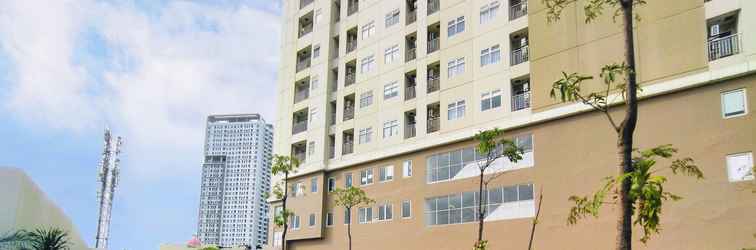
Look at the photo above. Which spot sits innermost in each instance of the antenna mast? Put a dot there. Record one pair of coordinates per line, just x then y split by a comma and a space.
108, 179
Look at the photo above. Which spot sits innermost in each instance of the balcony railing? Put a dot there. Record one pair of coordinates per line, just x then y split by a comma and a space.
518, 10
410, 55
332, 121
303, 3
351, 45
409, 131
331, 152
409, 93
434, 124
301, 95
724, 47
301, 156
350, 79
433, 45
347, 148
433, 84
433, 6
411, 16
303, 65
353, 8
521, 101
348, 113
304, 30
520, 55
299, 127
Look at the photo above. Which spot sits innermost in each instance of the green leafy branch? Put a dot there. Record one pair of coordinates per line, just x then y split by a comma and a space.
593, 8
647, 189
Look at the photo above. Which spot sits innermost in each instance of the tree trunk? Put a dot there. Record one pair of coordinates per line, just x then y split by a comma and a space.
480, 208
349, 229
625, 143
283, 213
535, 221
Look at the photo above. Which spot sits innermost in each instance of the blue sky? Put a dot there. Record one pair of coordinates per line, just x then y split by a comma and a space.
152, 70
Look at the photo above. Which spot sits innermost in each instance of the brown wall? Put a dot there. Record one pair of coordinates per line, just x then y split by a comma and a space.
571, 156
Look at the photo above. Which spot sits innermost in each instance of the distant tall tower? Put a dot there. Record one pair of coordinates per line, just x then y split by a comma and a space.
108, 178
235, 178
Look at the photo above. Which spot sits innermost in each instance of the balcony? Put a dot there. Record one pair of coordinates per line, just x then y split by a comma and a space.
352, 7
411, 16
434, 124
348, 113
409, 93
433, 6
351, 45
301, 65
347, 148
521, 101
520, 55
433, 45
304, 3
409, 131
301, 95
518, 9
301, 156
724, 47
410, 55
332, 119
298, 127
350, 78
304, 30
434, 84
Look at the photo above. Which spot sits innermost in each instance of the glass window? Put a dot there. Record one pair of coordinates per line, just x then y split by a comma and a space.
348, 179
407, 168
329, 219
312, 220
390, 128
366, 99
347, 216
365, 135
392, 18
366, 176
331, 184
734, 103
391, 54
525, 192
365, 214
406, 209
456, 110
368, 30
525, 142
314, 184
390, 90
740, 167
456, 26
488, 12
386, 173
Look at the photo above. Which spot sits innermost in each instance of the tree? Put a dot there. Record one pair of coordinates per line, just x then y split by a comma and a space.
285, 165
569, 89
492, 147
349, 198
48, 239
14, 240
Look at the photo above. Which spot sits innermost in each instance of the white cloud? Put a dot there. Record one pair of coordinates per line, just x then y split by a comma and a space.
164, 73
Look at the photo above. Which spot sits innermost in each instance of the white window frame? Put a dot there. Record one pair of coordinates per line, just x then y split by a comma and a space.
390, 128
455, 67
367, 64
365, 215
391, 54
391, 90
368, 30
408, 210
329, 219
312, 220
314, 82
314, 184
386, 174
295, 222
392, 18
455, 26
315, 51
743, 94
407, 169
331, 184
488, 97
313, 114
310, 148
747, 157
456, 110
318, 15
488, 12
491, 55
366, 99
387, 209
367, 180
365, 135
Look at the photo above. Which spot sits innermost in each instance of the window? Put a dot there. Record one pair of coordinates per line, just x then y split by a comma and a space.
367, 64
366, 177
315, 51
444, 166
392, 18
456, 110
407, 168
347, 216
456, 67
331, 184
456, 26
314, 184
391, 54
461, 208
490, 55
490, 100
385, 212
390, 90
524, 142
311, 148
734, 103
348, 180
365, 214
368, 30
313, 114
366, 99
365, 135
318, 16
298, 189
294, 222
406, 209
314, 82
488, 12
312, 220
329, 219
740, 167
390, 128
386, 173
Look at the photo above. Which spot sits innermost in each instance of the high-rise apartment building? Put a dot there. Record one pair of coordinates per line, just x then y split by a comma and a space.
235, 179
387, 94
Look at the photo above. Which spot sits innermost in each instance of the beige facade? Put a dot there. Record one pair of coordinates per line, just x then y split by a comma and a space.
25, 206
690, 70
